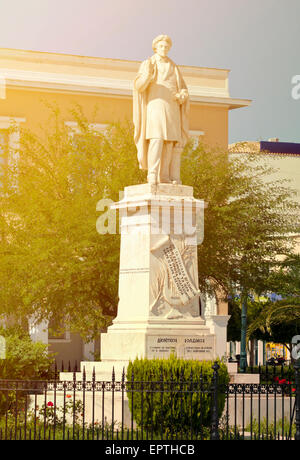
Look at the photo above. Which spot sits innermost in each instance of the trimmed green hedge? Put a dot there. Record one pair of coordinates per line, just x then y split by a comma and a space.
169, 399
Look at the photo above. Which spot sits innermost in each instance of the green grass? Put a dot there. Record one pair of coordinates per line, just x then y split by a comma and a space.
281, 429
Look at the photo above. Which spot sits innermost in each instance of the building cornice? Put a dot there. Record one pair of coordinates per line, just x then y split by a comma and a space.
61, 82
42, 58
54, 72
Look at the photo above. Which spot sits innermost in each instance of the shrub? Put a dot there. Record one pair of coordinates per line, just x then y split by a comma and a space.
25, 360
173, 395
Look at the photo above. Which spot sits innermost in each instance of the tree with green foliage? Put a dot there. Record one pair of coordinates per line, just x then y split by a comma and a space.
270, 320
234, 324
54, 264
285, 278
248, 219
279, 321
234, 310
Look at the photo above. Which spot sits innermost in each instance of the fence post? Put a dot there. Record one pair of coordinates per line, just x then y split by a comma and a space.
215, 409
297, 401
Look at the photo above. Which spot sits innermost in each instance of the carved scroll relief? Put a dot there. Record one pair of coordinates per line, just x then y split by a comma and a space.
184, 287
173, 288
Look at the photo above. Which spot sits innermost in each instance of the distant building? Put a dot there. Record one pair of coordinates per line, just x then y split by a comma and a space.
284, 157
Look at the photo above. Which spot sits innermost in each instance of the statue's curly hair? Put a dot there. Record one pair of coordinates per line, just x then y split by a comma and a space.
159, 38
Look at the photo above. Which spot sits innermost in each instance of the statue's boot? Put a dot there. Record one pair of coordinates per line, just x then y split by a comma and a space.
175, 165
152, 179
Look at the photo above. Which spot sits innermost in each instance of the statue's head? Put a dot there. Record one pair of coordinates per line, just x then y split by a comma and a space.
162, 45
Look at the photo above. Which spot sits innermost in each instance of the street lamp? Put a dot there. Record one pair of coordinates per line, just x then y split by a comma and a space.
243, 353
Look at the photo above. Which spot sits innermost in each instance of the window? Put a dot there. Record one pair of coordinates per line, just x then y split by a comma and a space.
195, 136
75, 130
9, 141
56, 331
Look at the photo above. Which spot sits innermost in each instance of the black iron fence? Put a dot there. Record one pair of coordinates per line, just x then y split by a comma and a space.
269, 373
176, 409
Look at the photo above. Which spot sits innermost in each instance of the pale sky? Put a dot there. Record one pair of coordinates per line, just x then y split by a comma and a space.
258, 40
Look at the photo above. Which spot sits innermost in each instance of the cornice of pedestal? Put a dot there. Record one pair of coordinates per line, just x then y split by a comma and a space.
159, 189
158, 202
154, 324
160, 195
220, 320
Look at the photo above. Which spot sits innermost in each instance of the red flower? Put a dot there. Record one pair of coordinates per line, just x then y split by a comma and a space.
276, 379
293, 389
282, 381
50, 404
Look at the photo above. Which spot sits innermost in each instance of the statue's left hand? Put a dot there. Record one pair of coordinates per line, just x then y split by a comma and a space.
181, 96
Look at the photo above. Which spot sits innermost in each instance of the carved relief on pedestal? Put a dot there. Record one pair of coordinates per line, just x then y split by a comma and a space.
209, 305
174, 292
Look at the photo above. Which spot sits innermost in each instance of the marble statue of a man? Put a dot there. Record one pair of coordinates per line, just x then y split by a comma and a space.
160, 114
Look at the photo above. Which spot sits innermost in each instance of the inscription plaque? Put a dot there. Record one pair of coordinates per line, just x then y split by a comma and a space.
199, 347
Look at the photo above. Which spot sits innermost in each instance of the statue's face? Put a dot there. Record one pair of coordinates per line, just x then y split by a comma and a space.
162, 48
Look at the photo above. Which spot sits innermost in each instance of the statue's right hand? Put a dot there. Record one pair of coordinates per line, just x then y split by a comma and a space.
149, 67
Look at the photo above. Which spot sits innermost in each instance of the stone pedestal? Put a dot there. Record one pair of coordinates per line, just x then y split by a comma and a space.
245, 378
159, 305
159, 311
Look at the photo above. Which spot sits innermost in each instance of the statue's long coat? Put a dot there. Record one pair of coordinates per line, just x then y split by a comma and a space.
140, 111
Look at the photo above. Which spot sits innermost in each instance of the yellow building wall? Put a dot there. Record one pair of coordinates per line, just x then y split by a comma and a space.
286, 167
34, 106
213, 120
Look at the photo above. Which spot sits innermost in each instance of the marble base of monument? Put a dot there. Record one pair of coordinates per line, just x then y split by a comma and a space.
158, 311
159, 308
